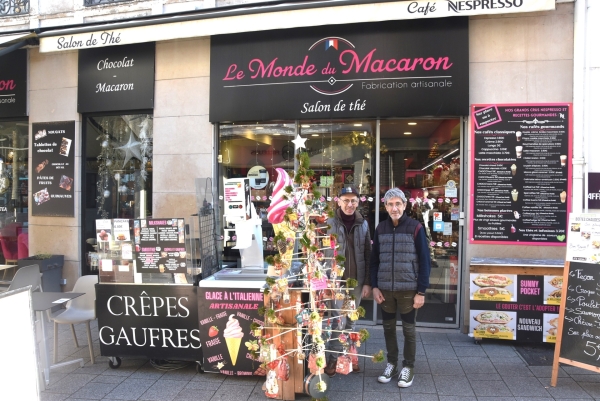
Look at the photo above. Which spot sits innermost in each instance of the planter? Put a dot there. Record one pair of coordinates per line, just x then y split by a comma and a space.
51, 266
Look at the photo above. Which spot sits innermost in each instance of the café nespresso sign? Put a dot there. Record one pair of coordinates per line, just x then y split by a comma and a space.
385, 69
13, 84
116, 78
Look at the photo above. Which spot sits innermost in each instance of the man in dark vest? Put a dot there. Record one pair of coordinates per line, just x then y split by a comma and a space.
400, 266
354, 243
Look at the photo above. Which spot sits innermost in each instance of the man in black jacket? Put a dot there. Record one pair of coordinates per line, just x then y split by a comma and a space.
354, 243
400, 266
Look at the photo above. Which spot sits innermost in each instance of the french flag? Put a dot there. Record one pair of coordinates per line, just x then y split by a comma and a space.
331, 43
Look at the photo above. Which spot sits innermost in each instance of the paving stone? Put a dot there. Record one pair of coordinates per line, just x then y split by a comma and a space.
422, 384
242, 380
381, 396
422, 366
469, 351
417, 396
163, 390
194, 395
445, 367
130, 389
203, 385
526, 387
108, 379
94, 391
70, 383
546, 371
476, 365
45, 396
343, 396
473, 377
370, 384
147, 372
583, 378
492, 388
229, 392
508, 370
186, 374
456, 398
351, 382
453, 385
439, 351
434, 338
568, 388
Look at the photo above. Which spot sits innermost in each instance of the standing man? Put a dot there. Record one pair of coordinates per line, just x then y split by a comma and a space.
400, 266
354, 243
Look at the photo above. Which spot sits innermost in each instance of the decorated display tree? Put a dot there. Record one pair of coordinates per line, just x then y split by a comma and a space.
304, 283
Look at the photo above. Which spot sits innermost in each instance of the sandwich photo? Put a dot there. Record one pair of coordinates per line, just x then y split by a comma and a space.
493, 328
552, 331
553, 322
555, 294
492, 291
492, 280
556, 282
493, 317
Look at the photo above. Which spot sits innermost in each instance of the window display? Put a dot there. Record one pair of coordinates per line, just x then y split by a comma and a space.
118, 173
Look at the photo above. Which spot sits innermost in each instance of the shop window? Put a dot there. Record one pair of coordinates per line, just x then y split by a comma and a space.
422, 158
117, 171
341, 153
14, 163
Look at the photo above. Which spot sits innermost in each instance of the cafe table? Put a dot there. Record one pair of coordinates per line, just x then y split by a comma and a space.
41, 302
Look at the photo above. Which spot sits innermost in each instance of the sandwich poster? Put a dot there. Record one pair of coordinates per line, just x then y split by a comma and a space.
515, 307
53, 170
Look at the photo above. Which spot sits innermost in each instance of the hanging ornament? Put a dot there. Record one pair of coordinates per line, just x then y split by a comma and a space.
106, 193
105, 144
130, 149
108, 162
117, 176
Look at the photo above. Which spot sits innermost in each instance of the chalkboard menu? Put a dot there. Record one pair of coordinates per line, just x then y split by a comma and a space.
515, 307
53, 169
521, 168
225, 316
160, 245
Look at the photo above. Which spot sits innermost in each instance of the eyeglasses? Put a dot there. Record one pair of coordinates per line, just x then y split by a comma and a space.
350, 201
396, 205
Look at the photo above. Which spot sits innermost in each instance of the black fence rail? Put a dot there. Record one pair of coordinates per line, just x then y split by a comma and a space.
13, 7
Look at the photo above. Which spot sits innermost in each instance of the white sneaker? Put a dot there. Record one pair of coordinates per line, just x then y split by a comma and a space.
406, 377
389, 372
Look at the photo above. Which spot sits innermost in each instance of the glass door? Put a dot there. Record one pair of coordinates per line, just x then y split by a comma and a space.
422, 158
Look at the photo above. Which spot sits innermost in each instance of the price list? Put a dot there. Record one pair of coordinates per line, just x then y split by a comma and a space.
521, 173
160, 245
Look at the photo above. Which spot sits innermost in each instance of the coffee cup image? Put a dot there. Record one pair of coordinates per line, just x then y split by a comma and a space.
563, 196
515, 195
519, 151
513, 169
518, 135
563, 160
517, 215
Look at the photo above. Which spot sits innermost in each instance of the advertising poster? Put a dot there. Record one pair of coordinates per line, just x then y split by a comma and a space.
522, 173
53, 169
13, 84
225, 317
160, 245
237, 197
515, 307
583, 243
154, 321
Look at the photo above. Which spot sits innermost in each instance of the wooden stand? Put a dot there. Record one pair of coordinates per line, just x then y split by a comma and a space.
295, 384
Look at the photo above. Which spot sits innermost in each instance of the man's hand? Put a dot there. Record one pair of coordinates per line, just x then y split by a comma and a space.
378, 296
366, 291
419, 301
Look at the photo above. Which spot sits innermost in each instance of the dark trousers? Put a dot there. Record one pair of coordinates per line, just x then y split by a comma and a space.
399, 301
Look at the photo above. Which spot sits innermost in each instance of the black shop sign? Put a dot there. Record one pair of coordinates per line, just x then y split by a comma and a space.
53, 170
116, 78
158, 322
382, 69
13, 84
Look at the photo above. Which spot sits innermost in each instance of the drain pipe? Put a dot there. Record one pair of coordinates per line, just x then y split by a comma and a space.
581, 98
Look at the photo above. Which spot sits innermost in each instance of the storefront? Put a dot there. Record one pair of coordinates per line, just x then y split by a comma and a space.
14, 157
375, 106
227, 104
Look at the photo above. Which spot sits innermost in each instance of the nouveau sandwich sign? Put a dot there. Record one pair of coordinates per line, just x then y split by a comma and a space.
282, 15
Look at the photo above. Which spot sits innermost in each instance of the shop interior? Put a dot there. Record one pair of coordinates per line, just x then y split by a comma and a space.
419, 156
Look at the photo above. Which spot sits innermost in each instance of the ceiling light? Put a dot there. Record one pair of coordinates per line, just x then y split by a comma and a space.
408, 133
358, 125
315, 135
259, 128
305, 126
412, 123
276, 134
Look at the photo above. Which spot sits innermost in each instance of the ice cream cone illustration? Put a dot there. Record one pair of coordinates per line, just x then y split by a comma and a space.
233, 337
284, 234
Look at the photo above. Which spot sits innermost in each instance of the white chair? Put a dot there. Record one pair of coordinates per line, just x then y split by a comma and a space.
79, 310
27, 275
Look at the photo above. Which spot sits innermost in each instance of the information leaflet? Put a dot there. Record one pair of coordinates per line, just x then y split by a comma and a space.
160, 245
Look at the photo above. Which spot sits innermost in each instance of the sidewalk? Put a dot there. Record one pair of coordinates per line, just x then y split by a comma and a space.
450, 367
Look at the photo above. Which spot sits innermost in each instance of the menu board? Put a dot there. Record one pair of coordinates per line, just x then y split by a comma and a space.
225, 317
53, 169
584, 238
160, 245
515, 307
521, 173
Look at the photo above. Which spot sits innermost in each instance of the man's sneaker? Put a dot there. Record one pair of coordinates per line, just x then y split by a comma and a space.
406, 377
389, 372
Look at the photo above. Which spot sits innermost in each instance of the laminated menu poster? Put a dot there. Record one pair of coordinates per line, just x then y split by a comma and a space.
225, 317
160, 245
522, 173
53, 170
583, 244
514, 307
